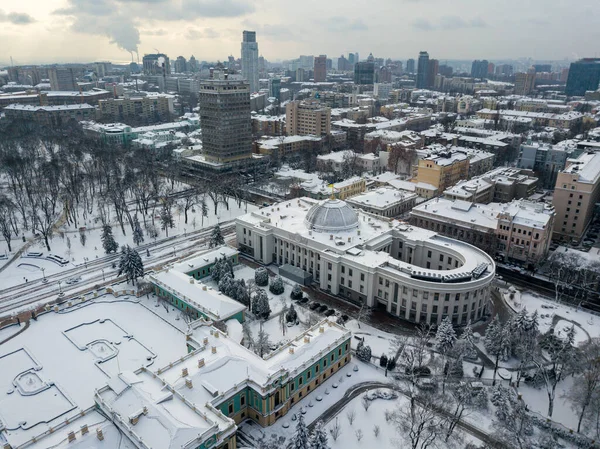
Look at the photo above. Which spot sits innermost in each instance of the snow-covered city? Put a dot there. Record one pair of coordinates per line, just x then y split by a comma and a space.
305, 253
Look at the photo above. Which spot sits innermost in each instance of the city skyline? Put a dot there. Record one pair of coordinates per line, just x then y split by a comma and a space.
81, 30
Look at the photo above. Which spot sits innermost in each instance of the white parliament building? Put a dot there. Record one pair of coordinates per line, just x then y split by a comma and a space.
412, 273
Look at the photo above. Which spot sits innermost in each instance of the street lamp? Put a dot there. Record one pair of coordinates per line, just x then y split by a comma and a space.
43, 273
85, 261
103, 277
59, 287
174, 253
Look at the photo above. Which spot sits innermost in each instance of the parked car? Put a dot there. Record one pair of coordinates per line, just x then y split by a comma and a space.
303, 300
314, 305
322, 309
330, 312
345, 317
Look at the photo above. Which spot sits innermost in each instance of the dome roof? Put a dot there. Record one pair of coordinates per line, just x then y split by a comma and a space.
331, 216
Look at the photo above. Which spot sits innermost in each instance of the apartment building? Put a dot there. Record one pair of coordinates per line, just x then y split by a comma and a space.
50, 115
149, 108
576, 194
307, 118
442, 170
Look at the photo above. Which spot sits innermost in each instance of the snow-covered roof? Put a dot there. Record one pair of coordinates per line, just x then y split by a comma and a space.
587, 166
215, 305
382, 198
204, 259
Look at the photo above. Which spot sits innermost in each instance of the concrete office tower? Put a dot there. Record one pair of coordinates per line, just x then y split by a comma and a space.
320, 69
583, 75
250, 60
479, 69
62, 79
307, 118
181, 65
525, 82
410, 66
423, 70
301, 75
225, 120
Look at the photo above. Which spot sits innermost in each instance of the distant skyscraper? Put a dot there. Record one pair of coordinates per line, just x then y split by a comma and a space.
491, 68
193, 64
320, 69
225, 120
275, 88
364, 72
300, 75
479, 69
433, 69
180, 65
504, 70
154, 65
445, 70
62, 79
410, 66
343, 64
250, 59
423, 70
584, 75
542, 67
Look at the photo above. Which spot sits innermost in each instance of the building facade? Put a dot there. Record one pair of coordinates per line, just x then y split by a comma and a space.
320, 69
225, 120
584, 75
250, 60
50, 115
150, 108
156, 64
423, 70
307, 118
62, 79
411, 273
576, 194
364, 73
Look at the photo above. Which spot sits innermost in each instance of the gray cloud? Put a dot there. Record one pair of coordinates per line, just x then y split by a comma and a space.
158, 32
448, 23
340, 24
119, 19
16, 18
195, 33
276, 31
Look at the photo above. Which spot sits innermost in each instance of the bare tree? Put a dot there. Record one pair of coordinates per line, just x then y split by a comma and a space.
359, 434
587, 385
419, 424
8, 220
366, 403
376, 430
351, 415
335, 430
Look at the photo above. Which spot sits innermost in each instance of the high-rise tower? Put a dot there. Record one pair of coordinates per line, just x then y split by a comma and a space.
250, 59
423, 70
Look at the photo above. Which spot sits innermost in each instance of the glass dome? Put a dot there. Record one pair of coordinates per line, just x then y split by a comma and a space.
331, 216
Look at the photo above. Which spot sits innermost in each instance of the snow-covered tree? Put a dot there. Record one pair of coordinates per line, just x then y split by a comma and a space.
514, 425
220, 268
363, 352
319, 437
130, 264
383, 360
261, 277
260, 304
138, 234
216, 237
242, 293
300, 439
203, 209
497, 342
585, 391
262, 345
291, 316
445, 336
108, 240
277, 286
296, 292
247, 339
226, 284
467, 342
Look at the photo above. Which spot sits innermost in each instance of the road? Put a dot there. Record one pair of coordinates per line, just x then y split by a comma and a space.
100, 272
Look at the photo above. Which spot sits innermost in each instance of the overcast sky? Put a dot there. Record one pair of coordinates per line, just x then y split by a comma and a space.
45, 31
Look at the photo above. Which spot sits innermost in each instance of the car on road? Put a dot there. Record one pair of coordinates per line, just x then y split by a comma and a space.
330, 312
315, 305
322, 309
303, 300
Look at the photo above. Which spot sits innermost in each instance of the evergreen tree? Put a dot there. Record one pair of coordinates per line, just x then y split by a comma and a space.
277, 286
363, 352
247, 339
216, 238
226, 284
445, 336
497, 342
260, 304
130, 264
204, 210
262, 344
300, 439
296, 292
319, 437
242, 293
383, 360
138, 234
108, 240
467, 342
291, 316
261, 277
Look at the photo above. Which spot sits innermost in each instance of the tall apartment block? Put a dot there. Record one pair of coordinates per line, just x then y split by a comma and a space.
584, 75
250, 60
576, 194
62, 79
320, 69
154, 65
307, 118
225, 120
